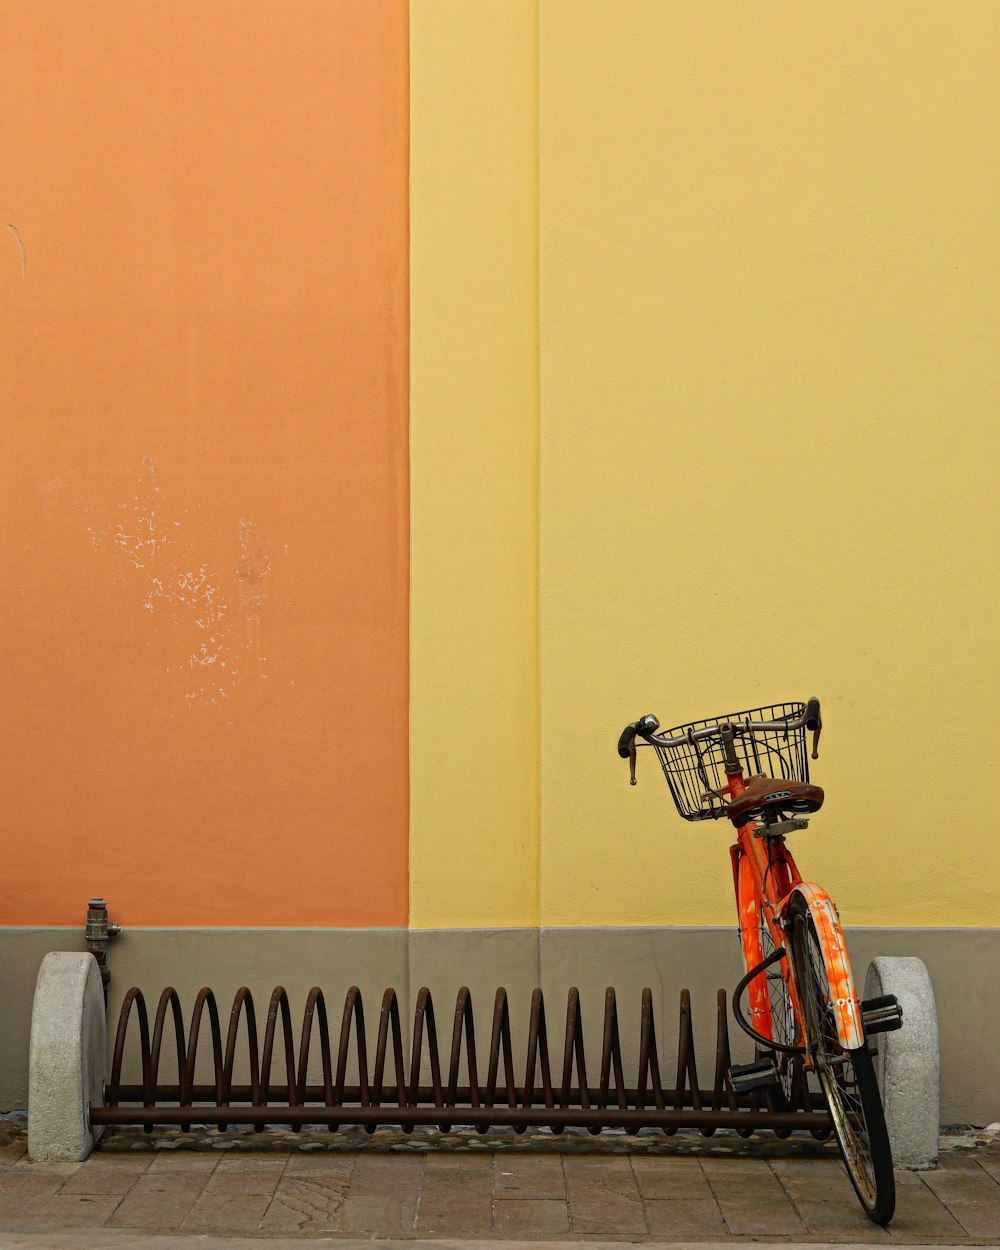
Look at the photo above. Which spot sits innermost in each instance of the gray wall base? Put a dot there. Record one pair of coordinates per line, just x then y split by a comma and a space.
964, 965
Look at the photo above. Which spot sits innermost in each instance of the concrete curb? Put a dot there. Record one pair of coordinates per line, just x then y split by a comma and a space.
68, 1054
908, 1063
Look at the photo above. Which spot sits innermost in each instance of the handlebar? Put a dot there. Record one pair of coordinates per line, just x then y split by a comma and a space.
647, 726
644, 726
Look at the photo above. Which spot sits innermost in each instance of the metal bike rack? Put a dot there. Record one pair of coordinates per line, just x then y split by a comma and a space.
395, 1089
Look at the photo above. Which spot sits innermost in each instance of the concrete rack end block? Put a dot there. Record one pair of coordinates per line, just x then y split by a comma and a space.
908, 1063
67, 1057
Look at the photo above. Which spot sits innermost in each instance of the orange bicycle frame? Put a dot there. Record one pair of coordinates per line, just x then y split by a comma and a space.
765, 878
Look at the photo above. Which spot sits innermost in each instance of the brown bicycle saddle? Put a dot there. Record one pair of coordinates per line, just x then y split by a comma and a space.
774, 792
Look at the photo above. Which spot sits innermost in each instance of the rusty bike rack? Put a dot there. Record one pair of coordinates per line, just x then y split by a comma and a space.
396, 1092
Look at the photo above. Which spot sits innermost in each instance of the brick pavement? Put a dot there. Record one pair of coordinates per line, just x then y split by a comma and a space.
718, 1193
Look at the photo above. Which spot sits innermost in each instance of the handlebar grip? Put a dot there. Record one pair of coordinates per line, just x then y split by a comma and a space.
626, 739
813, 718
644, 725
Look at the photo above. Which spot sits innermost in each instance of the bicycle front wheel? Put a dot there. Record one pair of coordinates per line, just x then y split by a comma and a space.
847, 1077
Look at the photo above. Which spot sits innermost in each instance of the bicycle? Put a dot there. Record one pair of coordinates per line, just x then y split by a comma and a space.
805, 1015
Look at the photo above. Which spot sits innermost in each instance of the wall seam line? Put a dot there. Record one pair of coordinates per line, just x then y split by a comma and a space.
539, 890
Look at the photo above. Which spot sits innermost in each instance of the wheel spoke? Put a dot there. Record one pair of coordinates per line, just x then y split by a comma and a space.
782, 1016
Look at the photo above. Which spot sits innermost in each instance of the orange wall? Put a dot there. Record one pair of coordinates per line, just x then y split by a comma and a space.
204, 476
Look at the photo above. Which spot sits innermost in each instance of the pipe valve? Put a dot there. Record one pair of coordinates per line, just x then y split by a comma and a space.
98, 934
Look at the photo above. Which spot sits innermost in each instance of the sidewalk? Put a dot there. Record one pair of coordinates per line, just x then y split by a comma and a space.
284, 1187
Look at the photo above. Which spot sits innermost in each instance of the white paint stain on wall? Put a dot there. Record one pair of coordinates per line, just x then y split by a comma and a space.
252, 570
218, 612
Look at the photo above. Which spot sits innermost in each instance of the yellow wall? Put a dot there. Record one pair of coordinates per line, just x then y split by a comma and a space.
767, 309
474, 456
769, 437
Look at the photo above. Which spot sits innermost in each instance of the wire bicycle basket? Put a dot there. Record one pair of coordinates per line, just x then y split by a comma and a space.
695, 771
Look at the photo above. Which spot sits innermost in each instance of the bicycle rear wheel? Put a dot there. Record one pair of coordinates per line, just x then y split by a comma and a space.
847, 1077
771, 1005
782, 1016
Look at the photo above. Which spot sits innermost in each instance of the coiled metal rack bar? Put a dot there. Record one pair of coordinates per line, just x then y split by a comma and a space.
395, 1092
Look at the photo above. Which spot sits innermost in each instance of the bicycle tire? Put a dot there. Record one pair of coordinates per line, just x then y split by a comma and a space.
847, 1076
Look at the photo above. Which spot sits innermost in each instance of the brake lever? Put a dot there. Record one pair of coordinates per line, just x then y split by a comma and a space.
631, 763
816, 733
